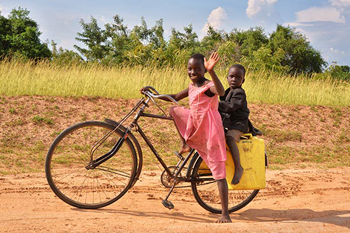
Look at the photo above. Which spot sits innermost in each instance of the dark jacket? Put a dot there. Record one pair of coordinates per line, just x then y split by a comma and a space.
233, 109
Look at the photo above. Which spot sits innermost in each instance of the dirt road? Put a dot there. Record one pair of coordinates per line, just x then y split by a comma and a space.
307, 200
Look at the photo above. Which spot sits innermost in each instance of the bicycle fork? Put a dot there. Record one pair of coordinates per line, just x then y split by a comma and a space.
165, 201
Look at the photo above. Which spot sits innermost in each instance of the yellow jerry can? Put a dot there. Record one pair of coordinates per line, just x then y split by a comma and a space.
252, 155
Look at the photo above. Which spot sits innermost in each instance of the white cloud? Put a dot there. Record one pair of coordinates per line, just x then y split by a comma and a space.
103, 20
297, 24
332, 50
216, 19
340, 3
3, 9
256, 7
313, 14
343, 6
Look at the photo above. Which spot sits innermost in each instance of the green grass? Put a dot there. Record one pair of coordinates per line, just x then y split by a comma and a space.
330, 156
39, 119
46, 79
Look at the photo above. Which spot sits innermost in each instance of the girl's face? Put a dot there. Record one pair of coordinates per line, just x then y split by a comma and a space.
235, 77
195, 69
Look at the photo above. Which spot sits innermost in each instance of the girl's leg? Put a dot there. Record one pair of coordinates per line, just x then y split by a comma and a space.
231, 142
223, 192
184, 147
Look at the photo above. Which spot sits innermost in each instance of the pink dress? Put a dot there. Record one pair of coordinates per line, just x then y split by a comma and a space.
201, 127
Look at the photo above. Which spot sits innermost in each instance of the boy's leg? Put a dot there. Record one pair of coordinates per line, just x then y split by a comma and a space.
223, 192
231, 138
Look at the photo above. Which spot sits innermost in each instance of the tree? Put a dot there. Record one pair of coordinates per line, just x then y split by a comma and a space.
298, 54
118, 41
63, 56
212, 40
339, 72
20, 36
248, 41
5, 28
182, 45
94, 38
263, 59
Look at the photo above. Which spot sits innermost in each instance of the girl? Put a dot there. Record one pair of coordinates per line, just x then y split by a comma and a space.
201, 125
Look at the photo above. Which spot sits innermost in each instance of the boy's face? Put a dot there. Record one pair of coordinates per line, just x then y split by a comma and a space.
235, 77
195, 69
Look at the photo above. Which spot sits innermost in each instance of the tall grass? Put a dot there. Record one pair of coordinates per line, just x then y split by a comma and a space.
18, 78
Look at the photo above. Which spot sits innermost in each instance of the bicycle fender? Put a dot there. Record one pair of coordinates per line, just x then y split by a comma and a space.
136, 143
191, 164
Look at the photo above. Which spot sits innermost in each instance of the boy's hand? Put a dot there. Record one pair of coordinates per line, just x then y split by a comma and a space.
213, 60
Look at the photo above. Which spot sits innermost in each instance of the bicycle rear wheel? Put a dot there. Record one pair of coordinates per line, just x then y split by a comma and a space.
68, 172
206, 192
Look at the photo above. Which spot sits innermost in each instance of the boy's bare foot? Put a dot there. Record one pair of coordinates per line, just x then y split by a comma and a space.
224, 219
238, 175
185, 149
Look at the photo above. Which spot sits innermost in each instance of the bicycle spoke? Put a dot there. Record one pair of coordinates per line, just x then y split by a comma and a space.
108, 176
114, 171
68, 172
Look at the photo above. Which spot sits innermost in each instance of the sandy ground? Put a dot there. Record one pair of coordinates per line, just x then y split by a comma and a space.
307, 200
302, 199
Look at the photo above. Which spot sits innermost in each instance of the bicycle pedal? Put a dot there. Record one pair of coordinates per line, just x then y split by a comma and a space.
168, 204
178, 155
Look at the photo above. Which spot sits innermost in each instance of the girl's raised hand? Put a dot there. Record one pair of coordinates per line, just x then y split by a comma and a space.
210, 64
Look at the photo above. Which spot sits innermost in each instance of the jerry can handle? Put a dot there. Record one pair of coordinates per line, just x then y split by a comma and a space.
247, 136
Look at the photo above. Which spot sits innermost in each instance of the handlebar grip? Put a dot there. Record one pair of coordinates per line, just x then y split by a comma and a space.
152, 89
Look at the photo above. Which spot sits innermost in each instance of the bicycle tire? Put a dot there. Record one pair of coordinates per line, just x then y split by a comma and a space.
207, 195
68, 158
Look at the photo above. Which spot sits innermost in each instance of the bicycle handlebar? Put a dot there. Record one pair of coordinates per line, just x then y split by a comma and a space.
155, 94
151, 95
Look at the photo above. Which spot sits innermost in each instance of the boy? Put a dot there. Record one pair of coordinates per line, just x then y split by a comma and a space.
234, 113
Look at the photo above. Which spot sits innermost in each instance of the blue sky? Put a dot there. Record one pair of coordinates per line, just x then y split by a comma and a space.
326, 23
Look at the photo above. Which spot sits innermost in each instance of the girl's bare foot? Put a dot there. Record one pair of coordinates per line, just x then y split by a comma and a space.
185, 149
238, 175
224, 219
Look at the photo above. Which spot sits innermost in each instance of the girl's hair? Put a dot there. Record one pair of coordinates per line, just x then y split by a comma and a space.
198, 56
238, 66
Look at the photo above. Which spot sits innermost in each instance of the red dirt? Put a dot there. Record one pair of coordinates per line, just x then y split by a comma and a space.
294, 201
312, 199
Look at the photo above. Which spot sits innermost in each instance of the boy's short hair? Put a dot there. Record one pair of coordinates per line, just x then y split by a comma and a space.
198, 56
238, 66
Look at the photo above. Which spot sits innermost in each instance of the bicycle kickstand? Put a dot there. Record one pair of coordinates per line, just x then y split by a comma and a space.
166, 203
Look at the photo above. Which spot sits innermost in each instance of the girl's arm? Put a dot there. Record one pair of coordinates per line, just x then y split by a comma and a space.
218, 88
180, 95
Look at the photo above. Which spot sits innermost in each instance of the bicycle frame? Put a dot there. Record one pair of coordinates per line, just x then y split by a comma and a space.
142, 104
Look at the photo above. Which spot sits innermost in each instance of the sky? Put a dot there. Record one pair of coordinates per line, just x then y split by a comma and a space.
326, 23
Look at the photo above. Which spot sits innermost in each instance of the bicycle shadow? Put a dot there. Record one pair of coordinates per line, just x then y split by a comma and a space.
151, 214
335, 217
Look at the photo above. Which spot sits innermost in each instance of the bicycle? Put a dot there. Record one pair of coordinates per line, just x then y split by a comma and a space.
92, 164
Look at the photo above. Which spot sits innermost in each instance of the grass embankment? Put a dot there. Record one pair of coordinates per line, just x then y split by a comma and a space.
298, 133
46, 79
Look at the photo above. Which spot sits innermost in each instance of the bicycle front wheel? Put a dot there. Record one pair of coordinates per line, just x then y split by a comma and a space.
78, 184
206, 192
